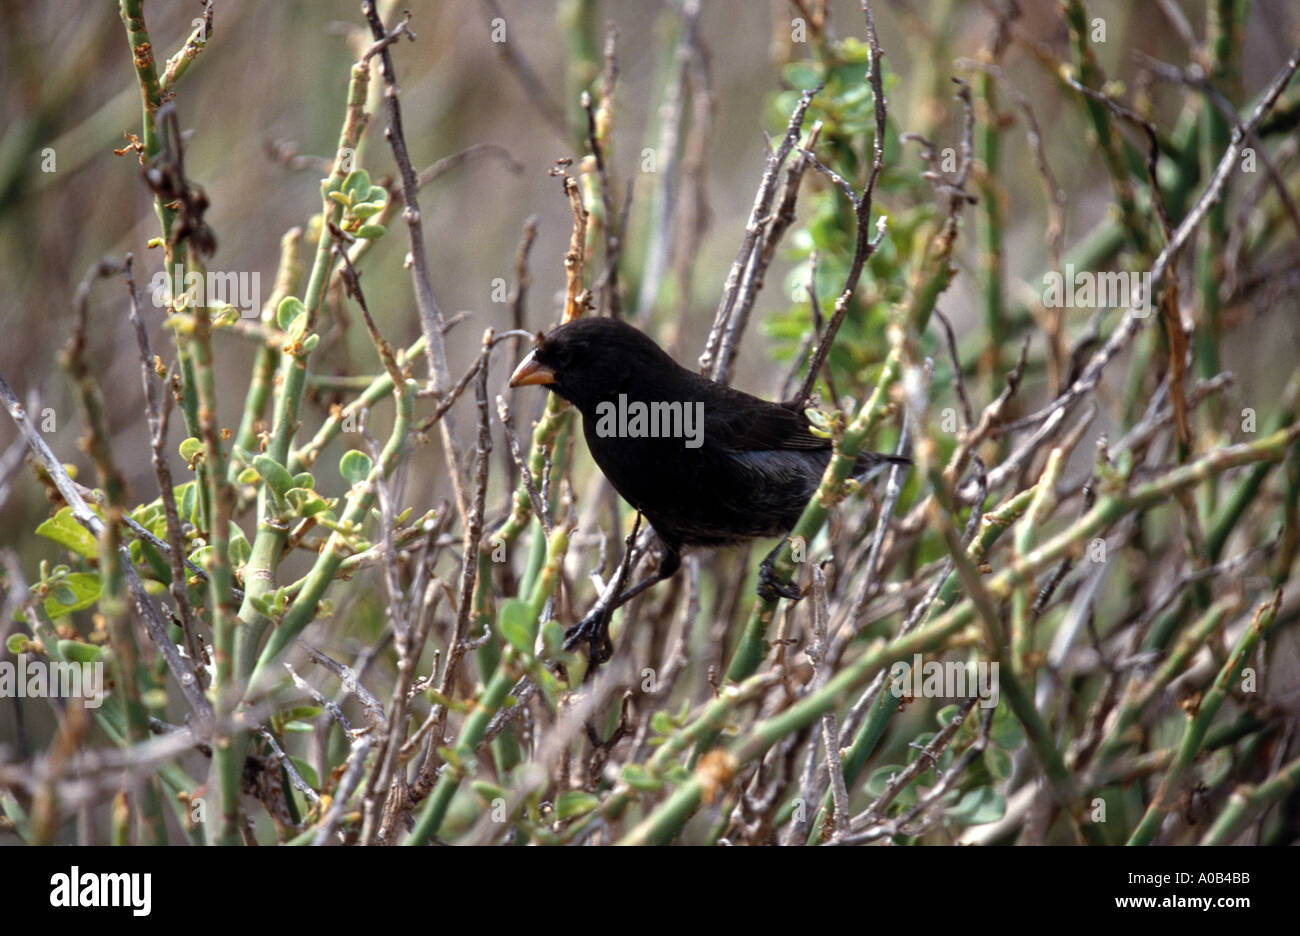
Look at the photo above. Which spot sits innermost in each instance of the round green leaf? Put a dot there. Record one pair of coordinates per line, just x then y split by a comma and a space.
355, 466
357, 184
288, 311
1006, 732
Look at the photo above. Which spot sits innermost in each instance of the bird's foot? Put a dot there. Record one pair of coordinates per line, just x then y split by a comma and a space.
770, 587
594, 631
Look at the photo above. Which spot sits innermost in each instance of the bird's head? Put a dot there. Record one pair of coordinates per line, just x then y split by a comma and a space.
592, 359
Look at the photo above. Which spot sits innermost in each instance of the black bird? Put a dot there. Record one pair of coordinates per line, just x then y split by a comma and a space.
705, 464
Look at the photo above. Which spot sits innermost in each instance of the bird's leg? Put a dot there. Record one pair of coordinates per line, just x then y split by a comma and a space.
769, 586
594, 628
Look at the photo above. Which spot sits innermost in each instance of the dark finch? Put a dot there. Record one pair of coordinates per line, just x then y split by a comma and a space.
707, 465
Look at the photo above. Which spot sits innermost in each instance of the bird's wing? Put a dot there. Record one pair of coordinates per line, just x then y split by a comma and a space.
745, 423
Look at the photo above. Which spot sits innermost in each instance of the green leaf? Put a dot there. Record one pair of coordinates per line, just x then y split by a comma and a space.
305, 503
240, 549
818, 424
452, 757
946, 715
17, 643
191, 448
1006, 732
262, 605
301, 713
371, 231
999, 763
662, 723
303, 479
515, 622
187, 501
979, 806
366, 209
64, 529
879, 778
357, 185
83, 588
802, 75
677, 773
573, 803
289, 310
638, 778
853, 49
275, 475
489, 791
148, 514
74, 651
553, 637
355, 466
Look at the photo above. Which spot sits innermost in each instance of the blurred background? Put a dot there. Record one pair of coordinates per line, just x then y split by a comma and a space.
262, 106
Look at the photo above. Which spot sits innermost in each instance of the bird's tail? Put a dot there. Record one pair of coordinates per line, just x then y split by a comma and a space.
869, 464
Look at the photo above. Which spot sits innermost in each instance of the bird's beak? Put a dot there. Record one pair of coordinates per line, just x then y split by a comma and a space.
531, 371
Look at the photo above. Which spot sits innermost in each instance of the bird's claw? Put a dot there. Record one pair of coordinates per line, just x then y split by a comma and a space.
770, 587
594, 630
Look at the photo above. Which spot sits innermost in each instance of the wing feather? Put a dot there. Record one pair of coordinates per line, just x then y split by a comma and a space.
745, 423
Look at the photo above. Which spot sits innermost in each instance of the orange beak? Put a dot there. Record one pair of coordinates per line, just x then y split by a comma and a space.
531, 371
